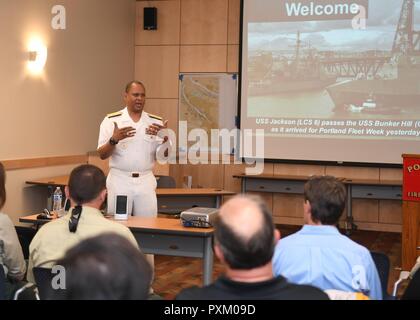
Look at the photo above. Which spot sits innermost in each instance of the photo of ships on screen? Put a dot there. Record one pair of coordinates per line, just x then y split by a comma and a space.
150, 18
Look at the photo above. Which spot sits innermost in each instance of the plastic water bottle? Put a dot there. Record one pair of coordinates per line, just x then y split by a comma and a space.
57, 201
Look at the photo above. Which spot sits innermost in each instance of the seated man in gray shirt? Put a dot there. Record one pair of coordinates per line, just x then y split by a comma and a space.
11, 255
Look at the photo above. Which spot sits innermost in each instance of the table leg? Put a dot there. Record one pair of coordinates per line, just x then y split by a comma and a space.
207, 261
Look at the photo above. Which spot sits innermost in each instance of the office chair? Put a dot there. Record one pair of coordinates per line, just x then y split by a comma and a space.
43, 279
25, 236
165, 182
382, 264
2, 283
25, 292
412, 291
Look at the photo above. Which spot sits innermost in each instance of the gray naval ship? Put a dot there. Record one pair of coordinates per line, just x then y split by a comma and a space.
271, 74
394, 91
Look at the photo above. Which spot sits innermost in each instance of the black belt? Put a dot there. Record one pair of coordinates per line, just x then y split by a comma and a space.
135, 175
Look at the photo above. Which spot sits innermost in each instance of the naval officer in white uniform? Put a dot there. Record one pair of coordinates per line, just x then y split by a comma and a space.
129, 138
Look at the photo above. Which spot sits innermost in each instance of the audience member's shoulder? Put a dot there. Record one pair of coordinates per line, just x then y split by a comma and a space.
5, 220
290, 239
354, 246
53, 224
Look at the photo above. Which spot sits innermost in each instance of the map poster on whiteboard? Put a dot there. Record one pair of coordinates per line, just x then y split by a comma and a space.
208, 101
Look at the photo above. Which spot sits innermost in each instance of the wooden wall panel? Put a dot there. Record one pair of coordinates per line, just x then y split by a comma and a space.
165, 108
365, 210
93, 158
168, 23
210, 176
233, 58
288, 220
384, 227
287, 205
158, 68
411, 234
234, 21
204, 22
178, 171
298, 170
390, 211
203, 175
266, 197
353, 172
230, 183
391, 174
15, 164
161, 169
203, 58
234, 184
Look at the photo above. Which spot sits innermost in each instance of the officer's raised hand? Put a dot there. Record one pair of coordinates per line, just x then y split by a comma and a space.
154, 128
122, 133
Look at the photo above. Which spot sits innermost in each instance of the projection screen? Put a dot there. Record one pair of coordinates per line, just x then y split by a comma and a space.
332, 80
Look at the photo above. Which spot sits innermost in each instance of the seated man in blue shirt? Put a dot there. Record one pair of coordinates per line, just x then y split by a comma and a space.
318, 254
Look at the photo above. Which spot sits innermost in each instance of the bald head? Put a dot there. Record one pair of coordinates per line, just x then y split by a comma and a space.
244, 232
243, 215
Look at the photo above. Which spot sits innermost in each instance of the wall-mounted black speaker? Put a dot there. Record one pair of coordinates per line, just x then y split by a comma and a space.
150, 18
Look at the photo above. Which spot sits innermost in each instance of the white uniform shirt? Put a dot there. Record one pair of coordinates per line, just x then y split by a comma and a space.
133, 154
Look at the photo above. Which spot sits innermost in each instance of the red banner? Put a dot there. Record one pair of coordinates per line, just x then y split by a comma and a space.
411, 179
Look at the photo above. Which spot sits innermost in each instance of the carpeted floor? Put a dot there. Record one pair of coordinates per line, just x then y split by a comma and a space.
175, 273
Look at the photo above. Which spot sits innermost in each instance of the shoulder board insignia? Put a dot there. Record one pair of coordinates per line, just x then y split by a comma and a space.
155, 117
114, 114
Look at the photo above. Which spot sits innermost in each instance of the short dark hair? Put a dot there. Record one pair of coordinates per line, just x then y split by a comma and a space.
105, 267
128, 86
327, 197
85, 183
254, 251
2, 186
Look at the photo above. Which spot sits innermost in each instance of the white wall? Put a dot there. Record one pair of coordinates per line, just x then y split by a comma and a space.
59, 114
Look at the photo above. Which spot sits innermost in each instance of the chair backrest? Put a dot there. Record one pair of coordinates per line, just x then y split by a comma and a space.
165, 182
382, 265
25, 236
2, 283
43, 278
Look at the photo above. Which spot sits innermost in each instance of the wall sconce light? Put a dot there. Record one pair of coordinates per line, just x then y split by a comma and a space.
32, 55
37, 56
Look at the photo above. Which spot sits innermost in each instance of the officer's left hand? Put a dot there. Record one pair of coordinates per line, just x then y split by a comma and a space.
154, 128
